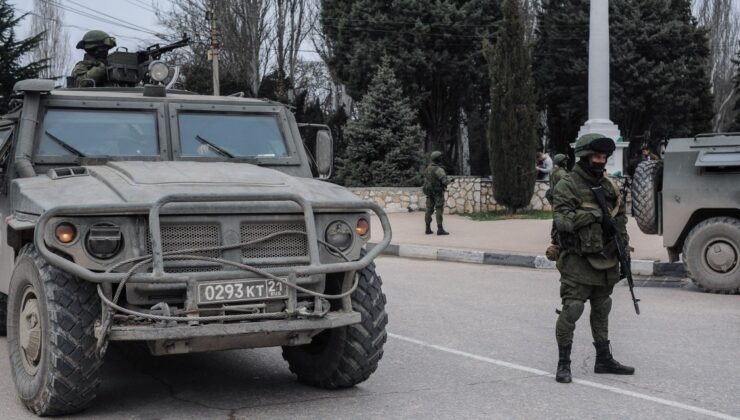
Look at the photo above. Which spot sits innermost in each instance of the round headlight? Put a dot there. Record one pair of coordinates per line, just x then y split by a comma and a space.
339, 234
104, 241
65, 232
158, 71
363, 227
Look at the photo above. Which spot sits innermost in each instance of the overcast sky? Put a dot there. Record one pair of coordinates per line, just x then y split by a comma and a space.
129, 14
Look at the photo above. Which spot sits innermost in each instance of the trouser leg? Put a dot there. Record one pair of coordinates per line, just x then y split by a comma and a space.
601, 306
429, 210
439, 207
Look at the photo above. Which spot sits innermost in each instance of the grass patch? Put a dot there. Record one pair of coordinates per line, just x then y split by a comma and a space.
504, 215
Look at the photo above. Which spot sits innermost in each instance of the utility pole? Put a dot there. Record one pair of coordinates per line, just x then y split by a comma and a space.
213, 52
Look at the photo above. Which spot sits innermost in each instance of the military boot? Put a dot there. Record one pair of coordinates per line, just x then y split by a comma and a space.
563, 373
429, 230
441, 230
605, 363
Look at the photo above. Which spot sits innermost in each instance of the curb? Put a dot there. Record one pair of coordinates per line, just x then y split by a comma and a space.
540, 262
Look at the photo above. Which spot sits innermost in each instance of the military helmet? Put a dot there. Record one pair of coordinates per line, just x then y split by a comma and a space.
589, 144
436, 156
93, 39
560, 159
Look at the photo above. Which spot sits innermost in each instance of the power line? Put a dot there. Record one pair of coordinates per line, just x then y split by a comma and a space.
97, 18
141, 5
141, 28
79, 27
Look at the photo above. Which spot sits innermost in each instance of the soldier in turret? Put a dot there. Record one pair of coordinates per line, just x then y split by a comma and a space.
91, 71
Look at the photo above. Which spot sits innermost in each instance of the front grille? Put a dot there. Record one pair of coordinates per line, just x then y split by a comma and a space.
178, 237
293, 245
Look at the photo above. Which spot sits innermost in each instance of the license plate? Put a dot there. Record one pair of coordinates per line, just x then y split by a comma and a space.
240, 291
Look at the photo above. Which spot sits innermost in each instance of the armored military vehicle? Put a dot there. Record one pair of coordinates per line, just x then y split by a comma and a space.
189, 223
692, 198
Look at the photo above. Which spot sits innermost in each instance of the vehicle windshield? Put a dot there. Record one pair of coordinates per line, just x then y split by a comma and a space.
85, 133
231, 136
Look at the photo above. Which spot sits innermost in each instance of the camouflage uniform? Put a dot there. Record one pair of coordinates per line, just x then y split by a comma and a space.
560, 171
588, 268
92, 68
435, 183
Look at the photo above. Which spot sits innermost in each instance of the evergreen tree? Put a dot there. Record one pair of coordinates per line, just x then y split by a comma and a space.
735, 127
12, 52
512, 132
383, 143
435, 50
659, 59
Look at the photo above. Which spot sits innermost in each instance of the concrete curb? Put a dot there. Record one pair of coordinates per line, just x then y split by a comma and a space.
540, 262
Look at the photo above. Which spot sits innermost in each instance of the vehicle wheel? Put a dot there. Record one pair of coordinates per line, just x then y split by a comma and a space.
646, 183
344, 357
51, 340
712, 255
3, 314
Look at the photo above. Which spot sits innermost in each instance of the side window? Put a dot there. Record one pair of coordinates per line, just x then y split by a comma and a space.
5, 135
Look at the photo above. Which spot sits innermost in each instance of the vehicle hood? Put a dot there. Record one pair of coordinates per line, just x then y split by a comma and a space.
147, 182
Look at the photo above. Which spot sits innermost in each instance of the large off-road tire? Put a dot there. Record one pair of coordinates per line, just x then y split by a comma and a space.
344, 357
51, 340
646, 184
712, 255
3, 314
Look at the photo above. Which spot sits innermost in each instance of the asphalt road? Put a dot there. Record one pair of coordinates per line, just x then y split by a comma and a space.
467, 341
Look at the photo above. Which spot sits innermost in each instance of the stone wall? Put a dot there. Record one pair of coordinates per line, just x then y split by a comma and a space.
465, 194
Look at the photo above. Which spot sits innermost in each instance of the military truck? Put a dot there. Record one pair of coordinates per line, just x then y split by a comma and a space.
692, 199
188, 223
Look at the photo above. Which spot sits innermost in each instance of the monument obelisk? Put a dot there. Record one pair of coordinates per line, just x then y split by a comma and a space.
598, 84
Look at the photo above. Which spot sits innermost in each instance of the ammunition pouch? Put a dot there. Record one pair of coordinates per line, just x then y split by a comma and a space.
591, 239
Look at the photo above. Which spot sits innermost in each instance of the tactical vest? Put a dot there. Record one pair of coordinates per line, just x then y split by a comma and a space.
432, 183
589, 241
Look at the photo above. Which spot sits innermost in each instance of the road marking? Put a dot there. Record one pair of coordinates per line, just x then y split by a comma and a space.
669, 403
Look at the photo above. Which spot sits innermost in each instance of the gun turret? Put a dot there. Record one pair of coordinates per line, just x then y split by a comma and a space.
131, 68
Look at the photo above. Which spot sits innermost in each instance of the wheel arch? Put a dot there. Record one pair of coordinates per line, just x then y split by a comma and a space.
697, 217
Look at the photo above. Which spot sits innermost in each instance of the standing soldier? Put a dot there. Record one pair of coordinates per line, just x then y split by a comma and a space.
92, 68
588, 265
435, 182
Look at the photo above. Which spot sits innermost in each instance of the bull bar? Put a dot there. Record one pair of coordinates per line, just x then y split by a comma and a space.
159, 275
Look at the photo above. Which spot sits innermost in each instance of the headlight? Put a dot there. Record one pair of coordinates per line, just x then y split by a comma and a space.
363, 227
65, 232
104, 240
339, 234
158, 71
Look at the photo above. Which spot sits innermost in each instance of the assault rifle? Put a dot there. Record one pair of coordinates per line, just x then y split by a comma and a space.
130, 68
610, 227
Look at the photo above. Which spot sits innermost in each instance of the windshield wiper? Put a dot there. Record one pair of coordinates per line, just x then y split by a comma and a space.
64, 144
221, 151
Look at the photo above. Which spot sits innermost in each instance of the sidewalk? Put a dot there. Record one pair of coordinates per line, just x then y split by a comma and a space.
507, 242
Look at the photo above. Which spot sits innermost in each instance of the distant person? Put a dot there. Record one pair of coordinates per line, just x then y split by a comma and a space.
92, 71
588, 266
645, 154
435, 183
544, 166
559, 172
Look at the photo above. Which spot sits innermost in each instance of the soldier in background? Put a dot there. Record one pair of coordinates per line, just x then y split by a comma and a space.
92, 68
588, 266
558, 173
435, 183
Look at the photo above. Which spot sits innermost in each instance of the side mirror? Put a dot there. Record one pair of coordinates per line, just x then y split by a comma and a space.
324, 153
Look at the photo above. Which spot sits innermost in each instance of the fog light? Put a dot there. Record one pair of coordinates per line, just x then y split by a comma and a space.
363, 227
339, 234
104, 241
65, 232
158, 71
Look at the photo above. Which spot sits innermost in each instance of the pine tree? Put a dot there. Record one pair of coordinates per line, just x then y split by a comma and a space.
512, 131
736, 123
435, 50
384, 142
12, 52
